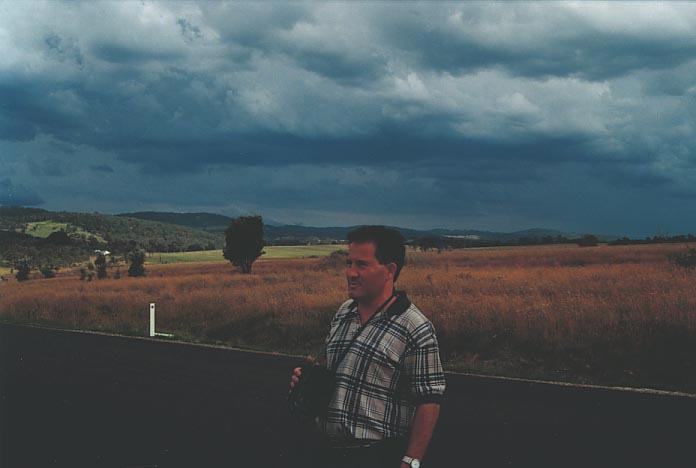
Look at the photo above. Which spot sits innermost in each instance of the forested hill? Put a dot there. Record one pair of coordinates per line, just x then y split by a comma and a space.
275, 233
204, 221
115, 233
173, 232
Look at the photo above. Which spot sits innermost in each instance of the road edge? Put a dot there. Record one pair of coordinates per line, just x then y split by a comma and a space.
635, 390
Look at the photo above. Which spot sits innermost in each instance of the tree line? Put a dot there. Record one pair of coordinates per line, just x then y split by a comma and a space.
243, 246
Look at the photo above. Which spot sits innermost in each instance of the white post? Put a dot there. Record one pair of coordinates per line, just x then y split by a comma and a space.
152, 319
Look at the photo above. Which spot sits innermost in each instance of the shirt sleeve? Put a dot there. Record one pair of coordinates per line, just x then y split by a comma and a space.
423, 366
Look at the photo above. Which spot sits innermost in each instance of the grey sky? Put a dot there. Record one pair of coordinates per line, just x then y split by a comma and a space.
505, 116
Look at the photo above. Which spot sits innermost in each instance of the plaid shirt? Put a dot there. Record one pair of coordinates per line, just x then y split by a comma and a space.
392, 367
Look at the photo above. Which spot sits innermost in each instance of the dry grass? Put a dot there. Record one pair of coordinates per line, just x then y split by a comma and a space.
616, 315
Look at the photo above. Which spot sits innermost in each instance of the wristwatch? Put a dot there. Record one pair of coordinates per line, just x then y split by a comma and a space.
412, 462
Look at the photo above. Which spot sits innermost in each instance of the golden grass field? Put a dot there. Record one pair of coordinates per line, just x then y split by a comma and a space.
620, 315
271, 251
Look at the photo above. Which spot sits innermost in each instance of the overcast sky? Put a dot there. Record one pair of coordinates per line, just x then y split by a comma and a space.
498, 116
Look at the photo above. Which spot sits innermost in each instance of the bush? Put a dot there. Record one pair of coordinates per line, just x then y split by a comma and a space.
335, 261
588, 240
685, 260
100, 263
48, 271
137, 263
23, 270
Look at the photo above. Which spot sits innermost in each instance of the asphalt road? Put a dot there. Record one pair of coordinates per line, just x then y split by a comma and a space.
73, 399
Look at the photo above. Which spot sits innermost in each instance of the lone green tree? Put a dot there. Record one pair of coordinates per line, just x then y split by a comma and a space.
244, 242
137, 262
100, 263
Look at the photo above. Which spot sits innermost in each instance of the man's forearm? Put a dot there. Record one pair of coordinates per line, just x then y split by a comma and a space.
422, 430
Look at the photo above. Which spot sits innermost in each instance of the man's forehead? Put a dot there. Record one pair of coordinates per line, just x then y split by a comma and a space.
363, 250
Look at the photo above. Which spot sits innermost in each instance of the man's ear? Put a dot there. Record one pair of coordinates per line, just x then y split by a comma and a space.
391, 268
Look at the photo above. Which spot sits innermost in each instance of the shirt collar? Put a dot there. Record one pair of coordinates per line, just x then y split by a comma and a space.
397, 307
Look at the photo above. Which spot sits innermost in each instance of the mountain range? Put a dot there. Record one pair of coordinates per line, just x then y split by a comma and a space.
216, 223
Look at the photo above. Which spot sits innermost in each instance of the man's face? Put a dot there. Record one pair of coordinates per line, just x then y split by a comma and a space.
366, 277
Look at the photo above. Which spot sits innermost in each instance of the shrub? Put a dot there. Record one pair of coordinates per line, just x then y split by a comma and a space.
100, 263
137, 263
685, 260
23, 270
48, 272
336, 260
588, 240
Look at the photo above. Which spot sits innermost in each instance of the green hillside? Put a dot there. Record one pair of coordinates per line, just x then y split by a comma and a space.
115, 233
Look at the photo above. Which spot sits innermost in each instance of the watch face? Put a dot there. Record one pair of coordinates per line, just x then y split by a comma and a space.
415, 463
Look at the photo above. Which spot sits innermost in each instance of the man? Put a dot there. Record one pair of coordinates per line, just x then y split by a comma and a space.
389, 378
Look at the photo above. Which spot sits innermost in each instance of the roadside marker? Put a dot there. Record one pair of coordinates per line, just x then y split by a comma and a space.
152, 323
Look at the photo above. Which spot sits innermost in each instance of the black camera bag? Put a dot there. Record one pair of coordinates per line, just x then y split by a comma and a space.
312, 393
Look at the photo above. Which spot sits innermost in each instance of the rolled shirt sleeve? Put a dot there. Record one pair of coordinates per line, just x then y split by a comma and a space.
423, 366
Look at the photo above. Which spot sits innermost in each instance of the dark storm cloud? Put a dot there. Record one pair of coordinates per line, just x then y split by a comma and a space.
102, 168
63, 49
336, 66
30, 106
188, 30
47, 167
466, 38
118, 53
461, 158
255, 25
592, 56
12, 194
675, 82
478, 109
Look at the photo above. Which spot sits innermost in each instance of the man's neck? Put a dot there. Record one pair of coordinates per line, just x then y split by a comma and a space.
367, 309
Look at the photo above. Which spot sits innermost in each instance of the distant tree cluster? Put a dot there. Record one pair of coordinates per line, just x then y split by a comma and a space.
655, 240
440, 243
40, 254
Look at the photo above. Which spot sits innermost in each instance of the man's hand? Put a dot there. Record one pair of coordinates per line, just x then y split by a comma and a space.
296, 373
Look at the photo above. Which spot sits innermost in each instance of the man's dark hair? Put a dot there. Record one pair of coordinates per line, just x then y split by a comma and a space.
389, 244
